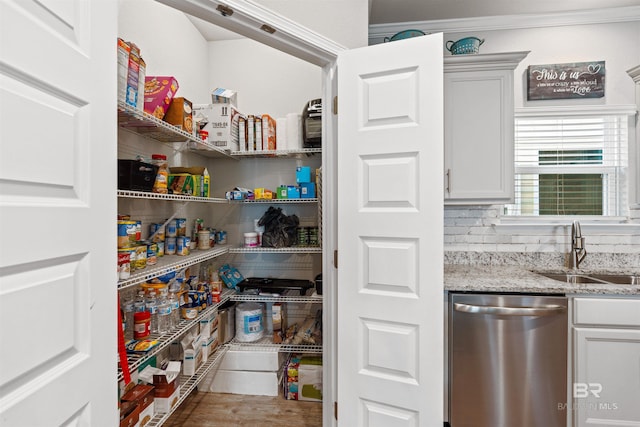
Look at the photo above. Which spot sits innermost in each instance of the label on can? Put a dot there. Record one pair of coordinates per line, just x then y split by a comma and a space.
172, 230
126, 233
170, 246
152, 253
181, 226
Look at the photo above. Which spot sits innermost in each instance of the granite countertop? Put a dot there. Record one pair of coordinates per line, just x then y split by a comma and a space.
512, 278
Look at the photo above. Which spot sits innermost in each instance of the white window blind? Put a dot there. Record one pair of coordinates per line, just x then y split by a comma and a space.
571, 164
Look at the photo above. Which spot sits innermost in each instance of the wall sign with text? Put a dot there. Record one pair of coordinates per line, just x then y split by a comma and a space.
565, 81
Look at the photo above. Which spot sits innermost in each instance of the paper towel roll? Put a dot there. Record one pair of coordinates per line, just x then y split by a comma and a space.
281, 133
294, 131
249, 322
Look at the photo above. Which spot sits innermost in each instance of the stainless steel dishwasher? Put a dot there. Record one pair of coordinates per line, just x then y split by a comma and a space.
507, 360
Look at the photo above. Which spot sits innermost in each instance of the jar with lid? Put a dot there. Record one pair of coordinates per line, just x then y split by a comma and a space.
141, 325
162, 176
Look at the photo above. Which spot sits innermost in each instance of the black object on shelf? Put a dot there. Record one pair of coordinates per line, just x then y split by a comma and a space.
135, 175
319, 284
278, 286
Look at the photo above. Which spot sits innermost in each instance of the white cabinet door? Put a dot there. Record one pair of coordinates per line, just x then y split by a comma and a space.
58, 309
606, 385
478, 122
390, 214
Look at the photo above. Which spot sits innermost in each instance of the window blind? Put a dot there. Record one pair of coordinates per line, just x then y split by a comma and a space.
567, 164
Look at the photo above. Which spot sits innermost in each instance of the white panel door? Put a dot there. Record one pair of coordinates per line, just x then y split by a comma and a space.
390, 234
58, 309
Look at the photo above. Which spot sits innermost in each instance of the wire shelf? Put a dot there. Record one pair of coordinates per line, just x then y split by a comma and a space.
314, 299
189, 383
160, 196
144, 124
168, 263
288, 250
277, 153
265, 344
276, 201
164, 340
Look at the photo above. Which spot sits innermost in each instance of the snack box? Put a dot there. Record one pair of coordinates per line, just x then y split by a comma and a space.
158, 94
143, 395
129, 414
268, 132
181, 183
180, 114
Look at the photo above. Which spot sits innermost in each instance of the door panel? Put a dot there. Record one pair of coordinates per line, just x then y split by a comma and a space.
390, 210
58, 305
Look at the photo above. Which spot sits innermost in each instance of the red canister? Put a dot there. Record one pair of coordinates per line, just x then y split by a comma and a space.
141, 325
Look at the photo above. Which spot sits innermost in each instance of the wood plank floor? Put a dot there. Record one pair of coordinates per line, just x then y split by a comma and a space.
202, 409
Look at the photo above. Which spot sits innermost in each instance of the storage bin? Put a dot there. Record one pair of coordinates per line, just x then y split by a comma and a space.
135, 175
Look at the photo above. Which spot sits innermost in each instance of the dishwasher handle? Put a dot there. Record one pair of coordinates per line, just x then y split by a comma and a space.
545, 310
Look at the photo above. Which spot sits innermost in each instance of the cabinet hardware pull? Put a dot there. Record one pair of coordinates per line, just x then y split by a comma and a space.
448, 180
510, 311
224, 10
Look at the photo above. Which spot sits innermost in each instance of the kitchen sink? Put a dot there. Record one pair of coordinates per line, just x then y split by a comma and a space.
615, 279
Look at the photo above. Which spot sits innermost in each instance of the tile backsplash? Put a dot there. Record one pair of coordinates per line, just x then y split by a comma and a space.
480, 229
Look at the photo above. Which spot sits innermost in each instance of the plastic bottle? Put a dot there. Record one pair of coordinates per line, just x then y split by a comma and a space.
162, 176
128, 308
139, 304
174, 302
152, 308
164, 313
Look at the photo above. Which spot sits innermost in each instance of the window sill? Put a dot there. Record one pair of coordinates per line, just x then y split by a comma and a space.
594, 225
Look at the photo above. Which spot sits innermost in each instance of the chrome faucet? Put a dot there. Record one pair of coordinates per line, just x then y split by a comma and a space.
578, 251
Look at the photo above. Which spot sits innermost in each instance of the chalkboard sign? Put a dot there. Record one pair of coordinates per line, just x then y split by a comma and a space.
565, 81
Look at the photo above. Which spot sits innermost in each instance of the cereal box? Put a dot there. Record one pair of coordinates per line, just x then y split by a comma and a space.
158, 94
180, 114
133, 72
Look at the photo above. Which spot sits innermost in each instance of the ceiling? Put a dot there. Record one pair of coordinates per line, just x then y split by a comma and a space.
390, 11
394, 11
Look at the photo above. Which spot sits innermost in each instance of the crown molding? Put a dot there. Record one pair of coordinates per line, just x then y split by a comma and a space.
377, 32
635, 73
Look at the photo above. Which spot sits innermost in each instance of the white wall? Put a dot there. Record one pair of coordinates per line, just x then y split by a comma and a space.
169, 44
615, 43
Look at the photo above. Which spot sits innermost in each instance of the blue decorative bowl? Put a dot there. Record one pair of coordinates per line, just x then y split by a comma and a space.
406, 34
464, 46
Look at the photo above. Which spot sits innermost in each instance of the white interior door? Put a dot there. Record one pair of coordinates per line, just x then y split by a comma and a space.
390, 234
58, 311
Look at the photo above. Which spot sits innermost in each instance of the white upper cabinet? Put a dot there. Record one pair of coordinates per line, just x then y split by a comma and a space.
478, 127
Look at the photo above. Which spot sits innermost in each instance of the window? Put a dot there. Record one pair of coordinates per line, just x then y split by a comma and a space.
570, 163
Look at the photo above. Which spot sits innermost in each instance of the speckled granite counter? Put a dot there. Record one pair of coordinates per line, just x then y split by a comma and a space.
514, 272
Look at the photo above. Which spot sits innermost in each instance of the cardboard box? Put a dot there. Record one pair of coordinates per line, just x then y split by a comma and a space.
165, 404
200, 176
307, 190
222, 118
303, 174
123, 69
293, 192
166, 386
143, 395
181, 183
209, 345
129, 414
248, 360
192, 350
158, 94
208, 324
247, 382
281, 192
180, 114
268, 132
133, 73
262, 194
303, 378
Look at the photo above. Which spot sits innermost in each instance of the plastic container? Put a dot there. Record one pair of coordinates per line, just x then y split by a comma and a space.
141, 325
162, 175
251, 239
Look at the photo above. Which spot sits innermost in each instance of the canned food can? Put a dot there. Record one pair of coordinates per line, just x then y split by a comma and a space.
132, 257
203, 239
138, 230
172, 230
141, 257
126, 233
124, 265
160, 248
181, 226
182, 245
156, 232
222, 237
170, 246
152, 253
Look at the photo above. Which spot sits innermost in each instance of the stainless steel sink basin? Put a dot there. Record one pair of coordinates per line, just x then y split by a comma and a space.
610, 279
